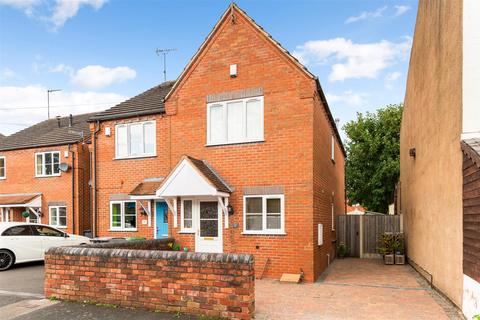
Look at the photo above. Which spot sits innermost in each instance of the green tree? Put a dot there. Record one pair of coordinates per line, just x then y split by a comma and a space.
373, 157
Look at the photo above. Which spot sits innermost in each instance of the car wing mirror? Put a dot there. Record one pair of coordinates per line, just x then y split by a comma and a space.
65, 235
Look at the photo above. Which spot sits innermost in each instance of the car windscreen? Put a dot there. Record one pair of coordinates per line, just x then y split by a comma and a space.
18, 231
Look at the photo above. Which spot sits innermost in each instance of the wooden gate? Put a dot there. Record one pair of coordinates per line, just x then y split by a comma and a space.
361, 232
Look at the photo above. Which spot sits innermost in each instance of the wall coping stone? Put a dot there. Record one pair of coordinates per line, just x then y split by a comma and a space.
236, 258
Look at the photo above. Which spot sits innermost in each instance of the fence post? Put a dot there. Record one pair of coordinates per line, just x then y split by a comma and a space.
361, 236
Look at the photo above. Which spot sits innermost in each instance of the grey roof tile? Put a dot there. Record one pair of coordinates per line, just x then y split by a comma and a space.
49, 133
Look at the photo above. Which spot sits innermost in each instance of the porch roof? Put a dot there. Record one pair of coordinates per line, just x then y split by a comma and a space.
193, 177
146, 188
33, 200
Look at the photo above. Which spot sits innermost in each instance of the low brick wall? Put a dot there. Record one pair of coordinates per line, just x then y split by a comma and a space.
219, 285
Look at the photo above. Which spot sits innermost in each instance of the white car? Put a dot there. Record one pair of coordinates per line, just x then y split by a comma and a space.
24, 242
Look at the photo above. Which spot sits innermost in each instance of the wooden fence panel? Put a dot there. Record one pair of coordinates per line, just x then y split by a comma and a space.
361, 232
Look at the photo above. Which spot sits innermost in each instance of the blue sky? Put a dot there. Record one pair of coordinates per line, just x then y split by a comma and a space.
101, 52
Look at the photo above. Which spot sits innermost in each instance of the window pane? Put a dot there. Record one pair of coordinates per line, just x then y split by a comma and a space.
121, 137
254, 119
62, 216
187, 209
130, 215
56, 162
39, 164
254, 205
254, 223
273, 206
116, 215
217, 124
208, 210
149, 129
48, 232
2, 167
235, 121
53, 216
209, 228
187, 223
18, 231
136, 139
273, 222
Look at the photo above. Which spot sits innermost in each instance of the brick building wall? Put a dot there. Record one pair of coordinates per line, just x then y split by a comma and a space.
215, 285
294, 155
20, 168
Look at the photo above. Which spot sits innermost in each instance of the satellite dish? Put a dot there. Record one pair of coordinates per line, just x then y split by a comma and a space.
64, 167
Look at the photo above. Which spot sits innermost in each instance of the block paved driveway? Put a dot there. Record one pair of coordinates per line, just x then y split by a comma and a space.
354, 289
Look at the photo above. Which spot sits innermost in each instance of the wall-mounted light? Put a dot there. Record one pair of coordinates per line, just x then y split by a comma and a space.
233, 71
412, 152
230, 210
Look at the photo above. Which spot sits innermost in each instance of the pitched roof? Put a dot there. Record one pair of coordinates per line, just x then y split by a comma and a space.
209, 173
49, 133
146, 188
148, 102
471, 148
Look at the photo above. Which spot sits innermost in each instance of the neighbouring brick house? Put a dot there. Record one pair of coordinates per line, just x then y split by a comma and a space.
242, 148
439, 186
32, 179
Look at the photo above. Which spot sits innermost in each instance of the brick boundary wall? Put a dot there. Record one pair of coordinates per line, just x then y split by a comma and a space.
211, 284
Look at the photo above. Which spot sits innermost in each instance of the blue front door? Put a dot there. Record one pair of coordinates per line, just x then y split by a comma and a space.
161, 211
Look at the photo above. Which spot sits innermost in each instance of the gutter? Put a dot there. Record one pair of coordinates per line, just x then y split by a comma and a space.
73, 188
126, 115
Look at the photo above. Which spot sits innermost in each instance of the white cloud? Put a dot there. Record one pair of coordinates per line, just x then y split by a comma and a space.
390, 79
66, 9
367, 15
353, 60
96, 77
7, 73
57, 14
27, 6
63, 68
348, 97
23, 106
401, 9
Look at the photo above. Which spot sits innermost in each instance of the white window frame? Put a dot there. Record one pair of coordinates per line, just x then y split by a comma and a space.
122, 216
43, 165
57, 208
266, 231
225, 117
5, 168
129, 155
182, 220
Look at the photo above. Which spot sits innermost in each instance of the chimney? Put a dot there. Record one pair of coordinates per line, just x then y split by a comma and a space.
58, 121
337, 121
70, 121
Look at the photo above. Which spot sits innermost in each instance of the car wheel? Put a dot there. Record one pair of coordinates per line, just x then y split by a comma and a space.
7, 258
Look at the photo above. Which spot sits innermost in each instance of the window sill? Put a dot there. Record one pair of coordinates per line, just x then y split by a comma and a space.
122, 230
266, 233
136, 157
186, 232
224, 144
49, 176
3, 178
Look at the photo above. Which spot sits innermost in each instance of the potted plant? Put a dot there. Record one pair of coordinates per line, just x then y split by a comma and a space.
342, 250
399, 248
25, 214
386, 248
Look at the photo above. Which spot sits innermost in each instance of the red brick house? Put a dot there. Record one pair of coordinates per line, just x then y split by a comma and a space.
44, 170
241, 148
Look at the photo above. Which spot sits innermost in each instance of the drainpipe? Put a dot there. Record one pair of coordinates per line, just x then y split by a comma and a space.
94, 198
73, 188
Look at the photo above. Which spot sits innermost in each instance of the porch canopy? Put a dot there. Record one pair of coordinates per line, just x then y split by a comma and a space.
194, 178
146, 190
31, 201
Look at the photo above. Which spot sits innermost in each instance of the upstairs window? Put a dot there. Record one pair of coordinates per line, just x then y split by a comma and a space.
3, 168
134, 140
235, 121
333, 149
47, 164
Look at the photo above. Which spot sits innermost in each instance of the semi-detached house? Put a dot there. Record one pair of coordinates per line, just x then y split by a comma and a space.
44, 174
239, 154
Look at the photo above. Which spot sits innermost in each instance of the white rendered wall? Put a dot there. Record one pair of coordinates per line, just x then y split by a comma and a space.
471, 69
471, 297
